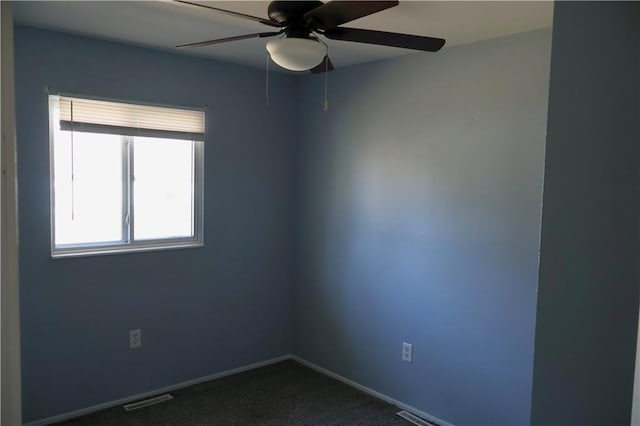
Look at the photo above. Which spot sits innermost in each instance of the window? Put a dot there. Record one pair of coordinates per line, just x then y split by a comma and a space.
124, 177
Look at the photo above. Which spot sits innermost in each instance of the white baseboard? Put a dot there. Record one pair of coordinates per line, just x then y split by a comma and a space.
371, 392
121, 401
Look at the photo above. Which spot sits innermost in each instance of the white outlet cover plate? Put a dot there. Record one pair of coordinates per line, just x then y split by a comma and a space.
407, 351
135, 338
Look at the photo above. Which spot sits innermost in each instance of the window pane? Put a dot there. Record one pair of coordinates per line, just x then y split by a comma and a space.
88, 209
163, 188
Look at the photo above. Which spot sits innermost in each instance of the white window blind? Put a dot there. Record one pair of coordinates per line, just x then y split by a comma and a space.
95, 116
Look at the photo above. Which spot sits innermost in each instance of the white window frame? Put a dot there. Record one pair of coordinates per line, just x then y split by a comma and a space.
128, 244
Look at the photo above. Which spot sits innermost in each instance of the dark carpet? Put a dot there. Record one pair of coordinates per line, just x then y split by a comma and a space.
286, 393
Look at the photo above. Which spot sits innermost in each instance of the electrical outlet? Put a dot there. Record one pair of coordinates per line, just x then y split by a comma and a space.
135, 338
407, 351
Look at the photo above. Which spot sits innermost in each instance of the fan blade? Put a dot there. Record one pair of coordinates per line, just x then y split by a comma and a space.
232, 13
227, 39
406, 41
338, 12
322, 67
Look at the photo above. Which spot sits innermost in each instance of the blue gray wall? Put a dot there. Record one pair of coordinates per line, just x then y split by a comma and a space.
418, 220
201, 310
588, 291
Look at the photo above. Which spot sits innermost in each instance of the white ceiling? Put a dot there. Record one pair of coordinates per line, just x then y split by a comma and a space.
164, 24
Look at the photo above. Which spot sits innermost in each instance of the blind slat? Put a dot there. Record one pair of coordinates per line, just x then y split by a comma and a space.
129, 131
131, 119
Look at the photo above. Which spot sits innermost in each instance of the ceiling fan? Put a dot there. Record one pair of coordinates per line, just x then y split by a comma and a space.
299, 23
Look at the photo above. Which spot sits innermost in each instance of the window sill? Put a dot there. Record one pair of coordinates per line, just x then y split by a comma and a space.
61, 253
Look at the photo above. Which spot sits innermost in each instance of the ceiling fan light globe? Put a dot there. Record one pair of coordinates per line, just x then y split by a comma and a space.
296, 54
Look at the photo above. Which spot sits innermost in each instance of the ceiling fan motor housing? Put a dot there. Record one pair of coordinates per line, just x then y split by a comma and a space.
291, 12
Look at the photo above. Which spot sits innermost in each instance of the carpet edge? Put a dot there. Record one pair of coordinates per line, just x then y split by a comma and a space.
370, 391
109, 404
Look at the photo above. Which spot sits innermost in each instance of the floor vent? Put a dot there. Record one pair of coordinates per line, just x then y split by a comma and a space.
414, 419
148, 402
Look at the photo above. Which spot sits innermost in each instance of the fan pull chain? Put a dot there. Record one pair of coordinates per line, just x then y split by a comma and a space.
267, 85
73, 184
325, 106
